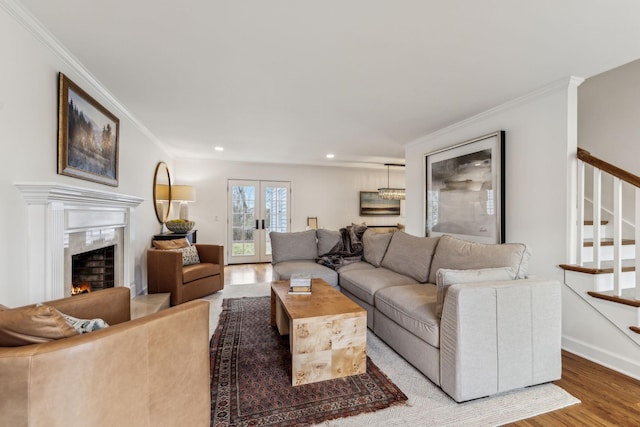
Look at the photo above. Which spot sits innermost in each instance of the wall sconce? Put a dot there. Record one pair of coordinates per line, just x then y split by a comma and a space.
184, 194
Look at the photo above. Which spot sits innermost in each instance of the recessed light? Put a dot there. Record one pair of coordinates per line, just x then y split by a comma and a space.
218, 148
330, 156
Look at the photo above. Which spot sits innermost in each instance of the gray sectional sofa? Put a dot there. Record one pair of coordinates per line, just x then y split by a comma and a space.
465, 314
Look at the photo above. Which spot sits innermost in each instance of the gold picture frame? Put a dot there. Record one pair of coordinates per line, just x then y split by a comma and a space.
88, 136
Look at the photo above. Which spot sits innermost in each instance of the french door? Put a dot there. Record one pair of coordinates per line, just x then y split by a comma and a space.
255, 209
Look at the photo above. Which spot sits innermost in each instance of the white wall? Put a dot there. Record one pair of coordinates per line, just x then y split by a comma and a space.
608, 112
28, 136
608, 127
329, 193
539, 134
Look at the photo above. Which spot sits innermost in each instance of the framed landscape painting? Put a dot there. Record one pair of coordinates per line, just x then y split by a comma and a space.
465, 190
88, 136
371, 204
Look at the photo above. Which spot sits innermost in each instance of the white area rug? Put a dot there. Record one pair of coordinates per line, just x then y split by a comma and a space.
427, 404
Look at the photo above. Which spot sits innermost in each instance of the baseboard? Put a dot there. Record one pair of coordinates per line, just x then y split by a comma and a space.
602, 357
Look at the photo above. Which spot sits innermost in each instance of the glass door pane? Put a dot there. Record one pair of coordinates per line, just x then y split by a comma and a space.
276, 211
242, 233
255, 209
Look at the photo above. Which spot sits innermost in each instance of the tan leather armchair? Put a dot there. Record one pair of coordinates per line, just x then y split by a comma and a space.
151, 371
165, 273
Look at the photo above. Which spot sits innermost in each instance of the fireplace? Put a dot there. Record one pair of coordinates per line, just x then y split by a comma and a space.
93, 256
93, 270
65, 221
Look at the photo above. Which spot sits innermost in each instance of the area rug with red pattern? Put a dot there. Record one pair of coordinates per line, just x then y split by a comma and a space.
251, 376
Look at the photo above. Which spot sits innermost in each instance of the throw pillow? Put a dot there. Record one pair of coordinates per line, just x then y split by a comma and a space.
293, 246
446, 278
82, 326
32, 325
410, 255
457, 254
327, 239
190, 255
375, 246
171, 244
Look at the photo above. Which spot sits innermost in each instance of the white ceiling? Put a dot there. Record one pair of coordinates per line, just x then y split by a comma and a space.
289, 81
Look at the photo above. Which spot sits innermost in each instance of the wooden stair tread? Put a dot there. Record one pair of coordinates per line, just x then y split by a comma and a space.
616, 299
590, 222
608, 242
604, 268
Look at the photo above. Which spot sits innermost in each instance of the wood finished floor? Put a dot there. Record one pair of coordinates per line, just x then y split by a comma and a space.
608, 397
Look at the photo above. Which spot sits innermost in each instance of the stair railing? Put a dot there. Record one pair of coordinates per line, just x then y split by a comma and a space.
619, 176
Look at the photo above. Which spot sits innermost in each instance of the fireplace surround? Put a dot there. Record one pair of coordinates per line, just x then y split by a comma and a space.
65, 220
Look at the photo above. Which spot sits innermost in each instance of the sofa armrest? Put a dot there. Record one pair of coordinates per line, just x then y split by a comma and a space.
111, 305
164, 272
150, 371
211, 253
498, 336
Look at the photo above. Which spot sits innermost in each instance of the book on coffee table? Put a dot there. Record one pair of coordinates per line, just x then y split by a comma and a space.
300, 284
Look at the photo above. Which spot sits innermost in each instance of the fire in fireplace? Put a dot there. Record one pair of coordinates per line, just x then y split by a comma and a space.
83, 288
93, 270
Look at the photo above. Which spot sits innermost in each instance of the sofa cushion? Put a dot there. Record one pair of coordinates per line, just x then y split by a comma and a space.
358, 265
171, 244
456, 254
364, 283
299, 245
284, 270
410, 255
327, 240
199, 271
412, 307
32, 325
446, 278
375, 246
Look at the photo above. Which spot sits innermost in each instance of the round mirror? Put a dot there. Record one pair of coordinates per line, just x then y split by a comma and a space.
162, 192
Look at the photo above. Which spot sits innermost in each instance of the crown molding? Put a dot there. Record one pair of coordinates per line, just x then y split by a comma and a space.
23, 16
558, 85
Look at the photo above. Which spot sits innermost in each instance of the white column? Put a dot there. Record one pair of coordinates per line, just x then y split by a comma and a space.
129, 245
55, 250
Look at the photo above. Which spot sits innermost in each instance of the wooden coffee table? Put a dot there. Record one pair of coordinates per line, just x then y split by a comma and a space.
327, 332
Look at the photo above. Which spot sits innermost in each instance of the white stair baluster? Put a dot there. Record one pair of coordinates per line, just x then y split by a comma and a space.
617, 235
637, 241
580, 231
597, 215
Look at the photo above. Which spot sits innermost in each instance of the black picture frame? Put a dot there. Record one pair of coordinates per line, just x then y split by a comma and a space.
465, 190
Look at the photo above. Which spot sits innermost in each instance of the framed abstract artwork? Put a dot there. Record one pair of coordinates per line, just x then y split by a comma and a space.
465, 190
371, 204
88, 136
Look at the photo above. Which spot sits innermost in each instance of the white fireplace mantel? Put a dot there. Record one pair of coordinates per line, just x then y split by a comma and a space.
54, 211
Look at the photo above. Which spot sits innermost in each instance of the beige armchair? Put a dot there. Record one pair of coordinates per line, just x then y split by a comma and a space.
151, 371
165, 273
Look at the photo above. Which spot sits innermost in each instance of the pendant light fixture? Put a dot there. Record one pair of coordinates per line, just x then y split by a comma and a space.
389, 193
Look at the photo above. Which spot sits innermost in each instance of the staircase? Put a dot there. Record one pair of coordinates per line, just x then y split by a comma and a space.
604, 274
